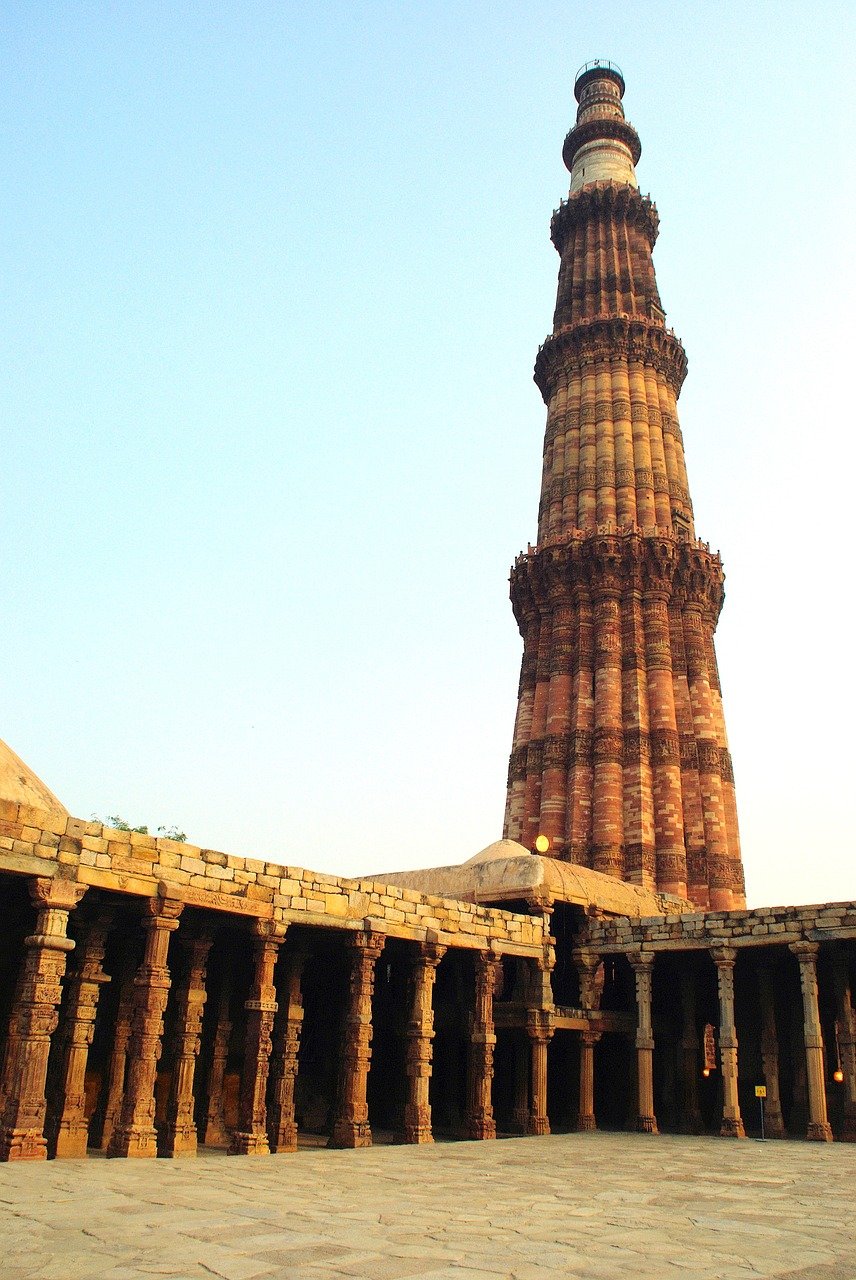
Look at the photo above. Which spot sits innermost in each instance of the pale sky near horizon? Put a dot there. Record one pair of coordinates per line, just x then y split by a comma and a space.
274, 278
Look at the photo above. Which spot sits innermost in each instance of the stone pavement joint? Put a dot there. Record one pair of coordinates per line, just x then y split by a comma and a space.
595, 1206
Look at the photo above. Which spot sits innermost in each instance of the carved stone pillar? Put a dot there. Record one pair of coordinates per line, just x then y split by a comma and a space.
351, 1124
250, 1138
480, 1122
586, 1122
179, 1132
818, 1122
690, 1121
846, 1043
643, 968
282, 1126
420, 1036
774, 1125
115, 1085
215, 1133
72, 1126
540, 1030
135, 1135
35, 1019
732, 1122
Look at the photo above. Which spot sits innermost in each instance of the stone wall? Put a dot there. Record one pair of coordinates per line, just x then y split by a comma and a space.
763, 926
34, 842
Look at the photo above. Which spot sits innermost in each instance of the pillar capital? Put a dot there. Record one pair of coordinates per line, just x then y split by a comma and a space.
806, 952
641, 961
56, 892
723, 957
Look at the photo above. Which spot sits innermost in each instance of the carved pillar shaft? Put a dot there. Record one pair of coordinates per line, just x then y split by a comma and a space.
774, 1125
480, 1121
732, 1121
215, 1133
586, 1122
818, 1122
643, 968
420, 1036
72, 1129
179, 1135
282, 1129
35, 1019
351, 1124
538, 1026
135, 1134
846, 1043
250, 1138
115, 1084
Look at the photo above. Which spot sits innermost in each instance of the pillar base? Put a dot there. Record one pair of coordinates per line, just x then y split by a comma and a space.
646, 1124
178, 1141
586, 1124
72, 1141
538, 1126
481, 1129
285, 1140
249, 1144
732, 1128
351, 1133
821, 1132
23, 1144
134, 1144
417, 1134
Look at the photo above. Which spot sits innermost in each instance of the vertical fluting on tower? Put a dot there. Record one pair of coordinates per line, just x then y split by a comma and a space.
619, 752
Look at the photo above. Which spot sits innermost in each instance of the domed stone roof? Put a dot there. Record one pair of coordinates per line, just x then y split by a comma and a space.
19, 784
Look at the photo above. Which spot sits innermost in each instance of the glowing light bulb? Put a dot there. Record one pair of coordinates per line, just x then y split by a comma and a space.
542, 843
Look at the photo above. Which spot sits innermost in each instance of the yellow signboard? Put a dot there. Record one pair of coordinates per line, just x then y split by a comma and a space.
760, 1091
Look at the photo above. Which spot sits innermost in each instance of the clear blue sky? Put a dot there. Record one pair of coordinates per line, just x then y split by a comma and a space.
274, 276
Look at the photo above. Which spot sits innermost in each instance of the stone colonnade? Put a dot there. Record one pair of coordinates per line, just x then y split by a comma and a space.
819, 1060
43, 1105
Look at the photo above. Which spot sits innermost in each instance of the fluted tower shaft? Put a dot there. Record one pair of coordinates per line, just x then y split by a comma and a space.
620, 754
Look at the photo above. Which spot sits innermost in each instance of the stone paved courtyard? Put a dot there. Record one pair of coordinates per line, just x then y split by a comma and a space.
587, 1205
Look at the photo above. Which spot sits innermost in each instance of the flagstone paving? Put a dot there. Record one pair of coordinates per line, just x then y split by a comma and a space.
580, 1206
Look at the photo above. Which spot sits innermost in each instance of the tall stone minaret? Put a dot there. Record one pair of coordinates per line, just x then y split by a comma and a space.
620, 755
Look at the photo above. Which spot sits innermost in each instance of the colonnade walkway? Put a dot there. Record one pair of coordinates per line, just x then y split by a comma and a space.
590, 1205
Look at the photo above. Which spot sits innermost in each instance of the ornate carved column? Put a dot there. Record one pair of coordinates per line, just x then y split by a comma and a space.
250, 1138
818, 1121
480, 1121
420, 1035
35, 1020
72, 1126
179, 1133
282, 1127
691, 1121
540, 1031
115, 1085
586, 1122
135, 1134
351, 1125
215, 1133
774, 1125
732, 1122
643, 968
846, 1042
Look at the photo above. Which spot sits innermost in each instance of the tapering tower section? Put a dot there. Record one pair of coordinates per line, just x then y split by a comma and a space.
620, 755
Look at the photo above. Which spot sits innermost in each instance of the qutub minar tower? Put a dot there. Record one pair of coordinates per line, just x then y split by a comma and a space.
620, 755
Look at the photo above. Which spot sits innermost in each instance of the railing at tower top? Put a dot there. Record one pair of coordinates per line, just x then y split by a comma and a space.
598, 64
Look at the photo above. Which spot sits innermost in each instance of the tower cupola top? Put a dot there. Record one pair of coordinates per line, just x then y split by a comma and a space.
602, 146
598, 69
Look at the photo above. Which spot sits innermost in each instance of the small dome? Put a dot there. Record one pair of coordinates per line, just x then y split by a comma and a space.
19, 784
499, 849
